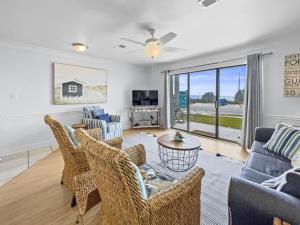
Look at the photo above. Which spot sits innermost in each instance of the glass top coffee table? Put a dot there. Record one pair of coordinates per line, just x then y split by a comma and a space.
178, 156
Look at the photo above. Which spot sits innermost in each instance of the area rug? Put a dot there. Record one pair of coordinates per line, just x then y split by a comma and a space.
215, 183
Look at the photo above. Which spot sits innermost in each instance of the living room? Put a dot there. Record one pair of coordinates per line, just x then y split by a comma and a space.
195, 93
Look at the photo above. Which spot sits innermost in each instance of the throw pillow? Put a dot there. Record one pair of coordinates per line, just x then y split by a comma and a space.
71, 133
104, 117
277, 182
285, 141
296, 159
97, 112
140, 181
291, 184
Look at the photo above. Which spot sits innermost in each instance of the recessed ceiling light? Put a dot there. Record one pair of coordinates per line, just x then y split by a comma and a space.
79, 47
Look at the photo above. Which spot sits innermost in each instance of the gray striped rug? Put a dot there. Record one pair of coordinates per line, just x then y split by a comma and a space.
214, 184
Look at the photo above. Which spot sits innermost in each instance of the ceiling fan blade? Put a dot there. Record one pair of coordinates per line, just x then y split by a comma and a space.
134, 51
166, 38
133, 41
173, 49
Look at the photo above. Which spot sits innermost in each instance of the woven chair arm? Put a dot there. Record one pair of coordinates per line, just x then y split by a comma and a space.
115, 142
95, 133
137, 154
86, 192
115, 118
94, 123
179, 204
81, 160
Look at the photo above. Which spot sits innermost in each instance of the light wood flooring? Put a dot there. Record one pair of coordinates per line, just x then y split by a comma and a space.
35, 197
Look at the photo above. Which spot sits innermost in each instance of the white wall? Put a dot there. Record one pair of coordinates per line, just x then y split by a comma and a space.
276, 107
26, 84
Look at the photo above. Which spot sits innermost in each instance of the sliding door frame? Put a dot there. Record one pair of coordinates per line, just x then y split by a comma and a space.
217, 101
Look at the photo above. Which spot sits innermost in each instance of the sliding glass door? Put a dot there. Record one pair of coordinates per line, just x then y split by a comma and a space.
209, 102
202, 113
179, 101
231, 102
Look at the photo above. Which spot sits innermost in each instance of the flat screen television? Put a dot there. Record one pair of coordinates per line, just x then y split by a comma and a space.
144, 97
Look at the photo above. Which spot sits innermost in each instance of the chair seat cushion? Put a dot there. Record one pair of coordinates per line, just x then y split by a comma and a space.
255, 176
266, 164
71, 133
258, 147
112, 126
140, 181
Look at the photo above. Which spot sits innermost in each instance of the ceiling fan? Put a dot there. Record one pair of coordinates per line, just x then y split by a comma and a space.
153, 46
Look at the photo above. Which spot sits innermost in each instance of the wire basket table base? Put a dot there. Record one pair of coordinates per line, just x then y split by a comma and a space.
178, 160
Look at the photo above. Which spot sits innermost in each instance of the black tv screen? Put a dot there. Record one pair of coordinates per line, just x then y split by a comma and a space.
144, 97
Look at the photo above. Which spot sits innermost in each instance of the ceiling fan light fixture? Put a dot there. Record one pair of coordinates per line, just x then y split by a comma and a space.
152, 49
79, 47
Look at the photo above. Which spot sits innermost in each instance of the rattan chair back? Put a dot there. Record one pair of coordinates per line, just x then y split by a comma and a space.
121, 201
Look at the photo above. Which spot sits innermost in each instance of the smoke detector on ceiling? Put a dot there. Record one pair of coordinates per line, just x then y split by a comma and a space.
206, 3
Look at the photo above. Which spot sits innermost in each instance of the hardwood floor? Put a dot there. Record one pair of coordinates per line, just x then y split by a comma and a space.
35, 197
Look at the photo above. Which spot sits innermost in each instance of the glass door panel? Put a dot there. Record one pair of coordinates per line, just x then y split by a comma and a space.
231, 102
179, 101
202, 116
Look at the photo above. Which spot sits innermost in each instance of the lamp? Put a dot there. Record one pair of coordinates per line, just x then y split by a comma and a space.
79, 47
152, 49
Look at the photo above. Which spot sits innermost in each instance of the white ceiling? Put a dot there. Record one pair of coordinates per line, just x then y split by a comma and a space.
101, 23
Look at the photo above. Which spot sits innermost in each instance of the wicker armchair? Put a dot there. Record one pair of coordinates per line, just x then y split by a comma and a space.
87, 195
121, 201
74, 158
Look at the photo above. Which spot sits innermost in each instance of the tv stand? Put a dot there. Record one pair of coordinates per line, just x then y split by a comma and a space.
145, 117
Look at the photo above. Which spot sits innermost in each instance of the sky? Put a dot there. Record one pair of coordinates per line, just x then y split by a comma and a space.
205, 81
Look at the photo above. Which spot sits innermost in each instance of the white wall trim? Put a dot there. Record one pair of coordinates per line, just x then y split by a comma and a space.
282, 117
38, 114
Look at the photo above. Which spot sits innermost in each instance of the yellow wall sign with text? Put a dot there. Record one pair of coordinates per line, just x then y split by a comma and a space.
292, 75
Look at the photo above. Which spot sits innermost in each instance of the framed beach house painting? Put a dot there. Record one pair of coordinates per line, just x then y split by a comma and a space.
79, 85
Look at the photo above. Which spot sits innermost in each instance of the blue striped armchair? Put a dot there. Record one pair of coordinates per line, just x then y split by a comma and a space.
109, 130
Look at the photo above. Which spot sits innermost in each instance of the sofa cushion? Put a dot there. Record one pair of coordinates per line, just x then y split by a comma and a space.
253, 175
258, 147
266, 164
285, 141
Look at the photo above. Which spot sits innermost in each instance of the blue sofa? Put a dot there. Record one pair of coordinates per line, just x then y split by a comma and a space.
252, 203
109, 130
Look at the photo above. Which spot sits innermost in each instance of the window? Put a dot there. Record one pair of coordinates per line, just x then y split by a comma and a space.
72, 88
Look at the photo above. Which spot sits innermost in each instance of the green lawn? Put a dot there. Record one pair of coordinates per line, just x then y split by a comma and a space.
225, 120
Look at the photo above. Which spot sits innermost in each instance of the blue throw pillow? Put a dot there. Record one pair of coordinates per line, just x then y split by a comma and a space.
104, 117
71, 134
97, 112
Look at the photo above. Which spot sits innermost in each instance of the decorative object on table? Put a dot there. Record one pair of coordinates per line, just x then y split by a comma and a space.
79, 85
121, 200
178, 156
178, 136
292, 75
79, 125
145, 117
109, 130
